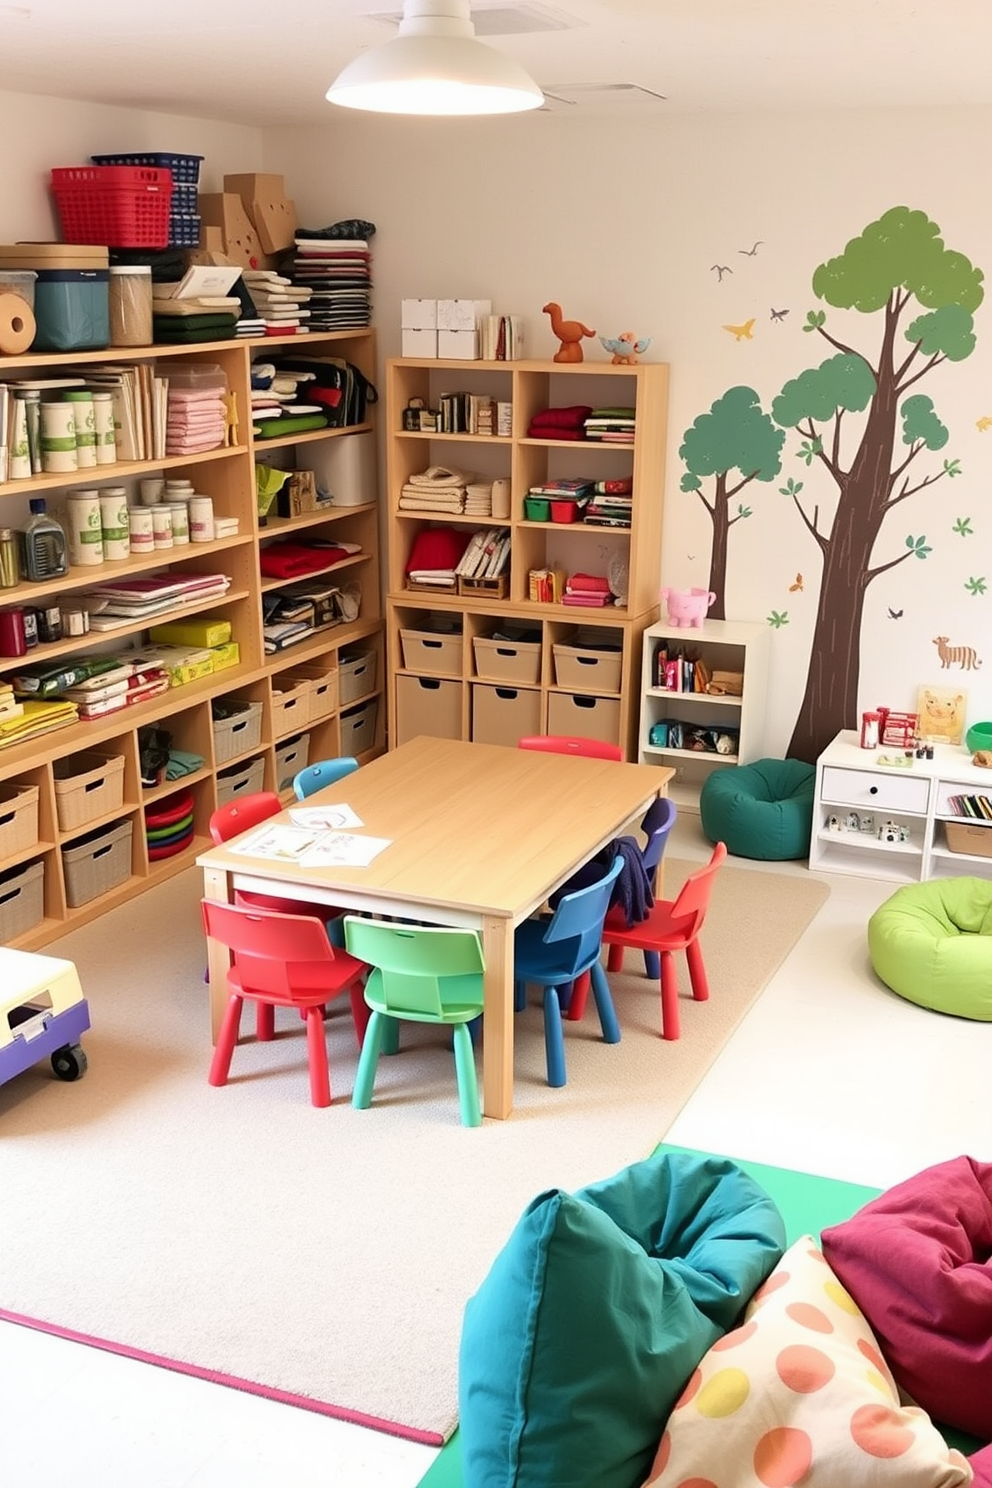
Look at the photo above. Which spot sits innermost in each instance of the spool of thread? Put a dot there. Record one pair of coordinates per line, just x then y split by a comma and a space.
161, 526
103, 423
17, 324
85, 415
84, 528
201, 519
58, 437
142, 529
115, 524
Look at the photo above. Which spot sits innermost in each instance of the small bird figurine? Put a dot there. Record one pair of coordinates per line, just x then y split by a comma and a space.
569, 333
626, 348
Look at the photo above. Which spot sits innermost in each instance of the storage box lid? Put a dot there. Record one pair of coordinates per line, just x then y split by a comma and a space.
54, 256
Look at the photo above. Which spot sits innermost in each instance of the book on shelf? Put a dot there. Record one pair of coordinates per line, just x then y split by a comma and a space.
546, 585
501, 338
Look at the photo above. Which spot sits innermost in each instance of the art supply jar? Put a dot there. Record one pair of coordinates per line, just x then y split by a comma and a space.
869, 730
85, 528
161, 526
58, 438
130, 292
180, 521
12, 638
152, 488
49, 622
85, 415
142, 529
115, 524
103, 426
201, 519
9, 568
75, 621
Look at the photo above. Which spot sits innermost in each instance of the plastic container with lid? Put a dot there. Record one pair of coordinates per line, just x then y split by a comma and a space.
130, 292
44, 550
19, 281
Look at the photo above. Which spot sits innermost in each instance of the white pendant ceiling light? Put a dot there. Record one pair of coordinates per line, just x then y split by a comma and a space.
435, 65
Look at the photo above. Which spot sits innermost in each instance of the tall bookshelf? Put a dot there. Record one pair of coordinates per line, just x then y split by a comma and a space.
320, 697
578, 670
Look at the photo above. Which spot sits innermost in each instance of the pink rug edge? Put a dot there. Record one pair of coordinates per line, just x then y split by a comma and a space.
230, 1381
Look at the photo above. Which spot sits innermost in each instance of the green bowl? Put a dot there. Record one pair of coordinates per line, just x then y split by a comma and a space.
979, 736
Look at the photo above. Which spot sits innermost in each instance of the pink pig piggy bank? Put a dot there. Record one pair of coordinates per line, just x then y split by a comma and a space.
687, 607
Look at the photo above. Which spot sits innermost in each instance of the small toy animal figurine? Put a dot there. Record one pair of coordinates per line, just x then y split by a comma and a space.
626, 348
687, 607
569, 333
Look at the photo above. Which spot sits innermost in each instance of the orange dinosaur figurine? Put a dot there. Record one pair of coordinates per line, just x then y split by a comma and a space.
569, 333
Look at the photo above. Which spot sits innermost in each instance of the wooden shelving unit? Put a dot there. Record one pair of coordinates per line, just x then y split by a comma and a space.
320, 697
467, 691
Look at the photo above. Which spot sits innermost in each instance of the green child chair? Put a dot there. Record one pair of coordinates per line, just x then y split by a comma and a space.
424, 974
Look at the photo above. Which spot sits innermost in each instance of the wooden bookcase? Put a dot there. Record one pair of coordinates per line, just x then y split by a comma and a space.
577, 671
320, 697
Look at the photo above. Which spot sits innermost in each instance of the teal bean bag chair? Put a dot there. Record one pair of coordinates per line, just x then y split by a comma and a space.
932, 944
762, 810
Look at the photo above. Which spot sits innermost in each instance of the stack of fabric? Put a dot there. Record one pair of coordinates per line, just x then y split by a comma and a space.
196, 420
35, 718
560, 423
434, 556
611, 425
206, 318
281, 304
437, 489
479, 499
612, 503
587, 590
335, 265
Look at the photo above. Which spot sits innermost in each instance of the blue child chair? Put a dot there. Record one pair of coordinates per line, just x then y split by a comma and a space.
325, 772
552, 951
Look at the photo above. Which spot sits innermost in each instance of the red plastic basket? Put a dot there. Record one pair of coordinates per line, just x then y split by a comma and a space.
118, 206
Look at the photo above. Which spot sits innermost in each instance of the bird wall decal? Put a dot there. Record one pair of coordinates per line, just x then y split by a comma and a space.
720, 270
741, 332
750, 252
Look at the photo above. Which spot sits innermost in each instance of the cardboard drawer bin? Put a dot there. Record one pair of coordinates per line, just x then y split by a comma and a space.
588, 668
291, 757
427, 705
240, 780
18, 819
508, 661
237, 728
22, 900
356, 676
358, 728
432, 651
290, 703
965, 837
503, 715
87, 786
586, 717
97, 863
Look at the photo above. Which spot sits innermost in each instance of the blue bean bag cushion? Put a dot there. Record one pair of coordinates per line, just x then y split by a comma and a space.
595, 1313
762, 810
932, 943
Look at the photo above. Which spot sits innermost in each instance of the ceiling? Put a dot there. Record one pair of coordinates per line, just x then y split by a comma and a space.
252, 62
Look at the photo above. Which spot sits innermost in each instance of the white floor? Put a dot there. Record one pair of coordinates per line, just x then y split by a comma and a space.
829, 1074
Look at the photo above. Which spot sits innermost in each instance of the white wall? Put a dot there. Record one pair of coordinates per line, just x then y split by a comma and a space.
621, 222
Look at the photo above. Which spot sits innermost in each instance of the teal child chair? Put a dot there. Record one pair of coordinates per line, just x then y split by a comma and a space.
325, 772
425, 974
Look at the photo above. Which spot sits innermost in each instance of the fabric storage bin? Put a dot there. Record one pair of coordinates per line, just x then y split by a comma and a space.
356, 676
587, 667
503, 715
72, 310
18, 818
584, 716
290, 703
427, 705
239, 732
22, 900
87, 786
508, 661
291, 757
97, 863
963, 837
358, 728
240, 780
323, 683
432, 651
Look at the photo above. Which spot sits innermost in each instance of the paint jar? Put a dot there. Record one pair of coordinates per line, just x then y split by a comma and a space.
58, 438
115, 524
142, 529
201, 519
84, 528
162, 526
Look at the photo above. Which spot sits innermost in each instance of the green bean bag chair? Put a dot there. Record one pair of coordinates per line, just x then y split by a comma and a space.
932, 944
762, 810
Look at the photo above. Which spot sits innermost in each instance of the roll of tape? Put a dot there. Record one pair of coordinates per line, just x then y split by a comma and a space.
17, 324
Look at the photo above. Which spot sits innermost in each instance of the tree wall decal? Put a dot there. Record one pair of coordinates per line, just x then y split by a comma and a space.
738, 435
897, 260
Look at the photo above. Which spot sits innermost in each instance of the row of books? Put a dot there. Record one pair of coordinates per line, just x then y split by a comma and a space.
977, 807
486, 556
680, 672
501, 338
546, 585
466, 413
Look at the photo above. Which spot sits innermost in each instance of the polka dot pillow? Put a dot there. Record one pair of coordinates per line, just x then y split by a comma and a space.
799, 1394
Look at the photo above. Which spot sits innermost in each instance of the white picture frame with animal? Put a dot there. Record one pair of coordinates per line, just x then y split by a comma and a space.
942, 712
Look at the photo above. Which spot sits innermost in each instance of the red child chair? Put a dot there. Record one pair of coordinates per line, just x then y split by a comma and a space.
571, 744
282, 960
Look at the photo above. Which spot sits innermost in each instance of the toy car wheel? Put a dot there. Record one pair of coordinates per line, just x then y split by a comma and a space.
69, 1063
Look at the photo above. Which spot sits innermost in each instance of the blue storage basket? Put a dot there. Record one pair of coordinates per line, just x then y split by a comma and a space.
185, 168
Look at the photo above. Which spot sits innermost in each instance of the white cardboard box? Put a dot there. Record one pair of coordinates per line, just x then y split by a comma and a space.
462, 346
419, 343
462, 315
418, 315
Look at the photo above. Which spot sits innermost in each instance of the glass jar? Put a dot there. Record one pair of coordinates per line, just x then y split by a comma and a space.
130, 292
9, 567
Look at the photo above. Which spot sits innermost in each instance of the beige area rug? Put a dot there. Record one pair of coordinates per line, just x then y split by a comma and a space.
323, 1256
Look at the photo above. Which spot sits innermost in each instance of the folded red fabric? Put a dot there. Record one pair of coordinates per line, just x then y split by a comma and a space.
593, 583
285, 560
562, 418
437, 548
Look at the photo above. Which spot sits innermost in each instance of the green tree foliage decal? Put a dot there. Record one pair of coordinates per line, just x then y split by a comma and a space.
736, 435
858, 422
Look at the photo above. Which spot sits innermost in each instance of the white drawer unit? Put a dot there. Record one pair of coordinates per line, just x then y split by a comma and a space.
891, 821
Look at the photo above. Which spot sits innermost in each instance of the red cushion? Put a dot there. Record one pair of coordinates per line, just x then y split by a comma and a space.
917, 1262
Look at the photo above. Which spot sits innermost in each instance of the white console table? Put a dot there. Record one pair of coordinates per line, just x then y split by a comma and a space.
856, 797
